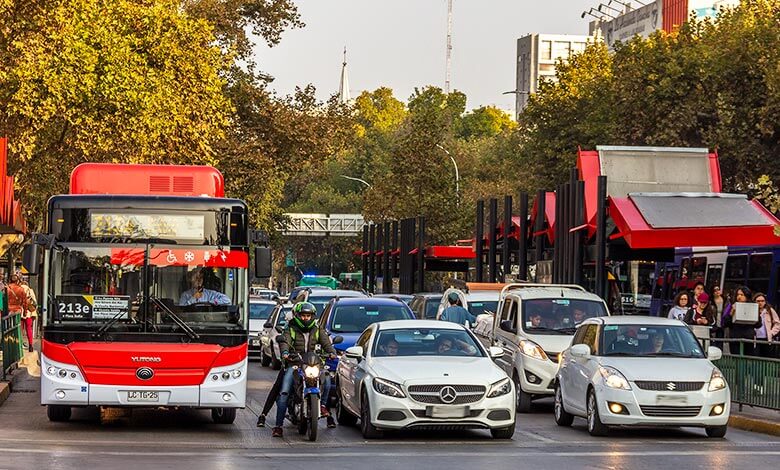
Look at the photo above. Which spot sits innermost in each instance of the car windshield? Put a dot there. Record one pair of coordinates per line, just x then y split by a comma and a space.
558, 316
426, 342
258, 311
320, 302
356, 318
478, 307
644, 340
432, 308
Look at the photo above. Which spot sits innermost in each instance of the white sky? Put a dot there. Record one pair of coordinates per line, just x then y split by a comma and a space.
401, 44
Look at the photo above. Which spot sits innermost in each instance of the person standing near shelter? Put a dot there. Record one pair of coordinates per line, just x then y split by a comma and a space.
455, 313
680, 308
770, 326
701, 312
740, 331
17, 300
30, 313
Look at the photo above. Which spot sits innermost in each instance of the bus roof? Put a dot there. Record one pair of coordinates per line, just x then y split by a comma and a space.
153, 180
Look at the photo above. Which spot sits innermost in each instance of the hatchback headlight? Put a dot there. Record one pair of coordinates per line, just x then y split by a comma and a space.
613, 378
386, 387
311, 372
717, 381
502, 387
531, 349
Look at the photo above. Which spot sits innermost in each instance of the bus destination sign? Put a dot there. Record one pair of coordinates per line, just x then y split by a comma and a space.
126, 225
91, 307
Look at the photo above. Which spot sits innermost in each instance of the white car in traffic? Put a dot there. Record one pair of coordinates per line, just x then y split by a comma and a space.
640, 371
412, 374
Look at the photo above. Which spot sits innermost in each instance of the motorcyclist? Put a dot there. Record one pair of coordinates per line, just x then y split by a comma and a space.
302, 335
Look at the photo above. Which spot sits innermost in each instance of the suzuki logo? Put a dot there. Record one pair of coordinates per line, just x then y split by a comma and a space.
145, 359
671, 386
144, 373
448, 394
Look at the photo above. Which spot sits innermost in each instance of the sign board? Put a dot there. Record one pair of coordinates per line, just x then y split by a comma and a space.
91, 307
128, 225
745, 313
643, 22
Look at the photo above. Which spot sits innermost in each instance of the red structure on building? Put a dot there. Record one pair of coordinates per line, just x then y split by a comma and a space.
11, 217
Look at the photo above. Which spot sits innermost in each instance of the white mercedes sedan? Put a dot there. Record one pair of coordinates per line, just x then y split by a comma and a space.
640, 371
413, 374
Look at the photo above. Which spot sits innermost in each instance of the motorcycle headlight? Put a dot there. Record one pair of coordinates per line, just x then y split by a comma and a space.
613, 378
311, 372
717, 381
531, 349
502, 387
386, 387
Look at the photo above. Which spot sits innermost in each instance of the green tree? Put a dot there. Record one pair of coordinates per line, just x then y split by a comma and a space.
485, 121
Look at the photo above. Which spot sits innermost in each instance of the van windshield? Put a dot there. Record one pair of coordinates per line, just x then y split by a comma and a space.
558, 316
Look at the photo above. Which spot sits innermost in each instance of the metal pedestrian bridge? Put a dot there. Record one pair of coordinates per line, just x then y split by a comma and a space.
323, 224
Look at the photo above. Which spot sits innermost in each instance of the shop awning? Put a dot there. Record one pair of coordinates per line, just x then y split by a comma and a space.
671, 220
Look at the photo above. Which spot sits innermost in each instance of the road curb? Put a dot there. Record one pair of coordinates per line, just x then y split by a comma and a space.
755, 425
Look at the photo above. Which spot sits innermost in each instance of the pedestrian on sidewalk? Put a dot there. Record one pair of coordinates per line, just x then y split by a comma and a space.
680, 308
770, 326
700, 313
30, 313
737, 330
17, 297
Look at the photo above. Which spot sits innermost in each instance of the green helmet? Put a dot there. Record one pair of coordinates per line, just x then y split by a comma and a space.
302, 308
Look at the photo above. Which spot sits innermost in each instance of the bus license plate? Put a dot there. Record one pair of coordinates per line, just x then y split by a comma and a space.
143, 396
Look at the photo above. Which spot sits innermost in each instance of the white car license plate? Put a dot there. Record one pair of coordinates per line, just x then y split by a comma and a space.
143, 396
671, 400
447, 411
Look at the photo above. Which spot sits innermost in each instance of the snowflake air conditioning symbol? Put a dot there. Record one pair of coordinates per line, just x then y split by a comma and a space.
189, 257
223, 256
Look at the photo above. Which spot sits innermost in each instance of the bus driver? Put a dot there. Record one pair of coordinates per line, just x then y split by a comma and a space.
199, 295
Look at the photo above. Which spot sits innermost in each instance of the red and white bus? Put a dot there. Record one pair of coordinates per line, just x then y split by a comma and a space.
146, 292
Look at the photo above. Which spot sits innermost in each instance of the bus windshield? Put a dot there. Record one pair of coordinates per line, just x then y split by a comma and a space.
143, 287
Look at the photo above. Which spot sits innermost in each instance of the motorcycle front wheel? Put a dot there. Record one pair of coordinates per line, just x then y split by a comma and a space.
313, 402
300, 412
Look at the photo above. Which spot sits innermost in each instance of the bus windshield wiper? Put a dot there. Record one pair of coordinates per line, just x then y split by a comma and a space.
108, 324
176, 319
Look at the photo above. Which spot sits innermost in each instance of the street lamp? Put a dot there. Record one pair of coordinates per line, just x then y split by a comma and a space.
355, 179
457, 175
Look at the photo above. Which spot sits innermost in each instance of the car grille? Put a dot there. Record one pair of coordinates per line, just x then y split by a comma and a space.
664, 386
430, 393
671, 411
472, 414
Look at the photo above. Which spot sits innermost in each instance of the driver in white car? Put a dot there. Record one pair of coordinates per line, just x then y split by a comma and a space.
198, 295
444, 345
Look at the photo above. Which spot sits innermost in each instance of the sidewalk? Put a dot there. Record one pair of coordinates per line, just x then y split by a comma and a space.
25, 376
755, 419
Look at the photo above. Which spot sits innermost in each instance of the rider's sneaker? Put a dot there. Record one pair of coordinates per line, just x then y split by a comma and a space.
261, 421
277, 432
331, 422
324, 411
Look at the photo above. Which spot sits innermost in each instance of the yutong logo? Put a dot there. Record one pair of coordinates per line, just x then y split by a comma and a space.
146, 359
144, 373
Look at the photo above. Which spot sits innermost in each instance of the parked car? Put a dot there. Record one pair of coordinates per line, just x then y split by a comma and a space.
402, 375
477, 301
640, 371
426, 305
405, 298
259, 312
270, 353
534, 323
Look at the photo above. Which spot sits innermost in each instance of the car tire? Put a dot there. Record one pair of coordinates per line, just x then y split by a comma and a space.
368, 430
265, 361
562, 418
343, 415
276, 364
523, 399
503, 433
595, 426
223, 415
58, 413
716, 431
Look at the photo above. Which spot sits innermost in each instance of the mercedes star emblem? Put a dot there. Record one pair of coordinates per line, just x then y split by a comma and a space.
144, 373
448, 394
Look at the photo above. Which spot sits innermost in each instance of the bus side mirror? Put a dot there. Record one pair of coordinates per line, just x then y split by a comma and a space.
262, 262
31, 258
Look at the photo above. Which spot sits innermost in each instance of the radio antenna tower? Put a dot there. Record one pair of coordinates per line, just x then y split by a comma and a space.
449, 47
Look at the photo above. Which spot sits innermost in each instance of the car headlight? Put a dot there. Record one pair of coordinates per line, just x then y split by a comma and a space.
311, 372
531, 349
386, 387
717, 381
613, 378
502, 387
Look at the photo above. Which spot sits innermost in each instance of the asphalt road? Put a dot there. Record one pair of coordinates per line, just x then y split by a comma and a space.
153, 439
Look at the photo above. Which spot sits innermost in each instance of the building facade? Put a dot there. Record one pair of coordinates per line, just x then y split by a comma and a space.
536, 58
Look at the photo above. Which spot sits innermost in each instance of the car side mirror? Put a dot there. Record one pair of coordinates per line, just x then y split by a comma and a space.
31, 258
267, 324
262, 262
355, 352
507, 326
337, 340
279, 330
495, 352
713, 353
580, 350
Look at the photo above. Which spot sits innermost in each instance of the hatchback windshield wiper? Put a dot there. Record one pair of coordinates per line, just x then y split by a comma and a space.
176, 319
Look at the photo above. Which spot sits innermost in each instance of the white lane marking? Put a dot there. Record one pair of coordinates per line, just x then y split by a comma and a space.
535, 436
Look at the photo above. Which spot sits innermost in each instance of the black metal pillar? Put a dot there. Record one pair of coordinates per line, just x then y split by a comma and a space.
522, 252
480, 235
372, 258
379, 265
506, 262
601, 237
541, 196
395, 247
387, 277
421, 255
571, 218
406, 261
364, 259
492, 216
